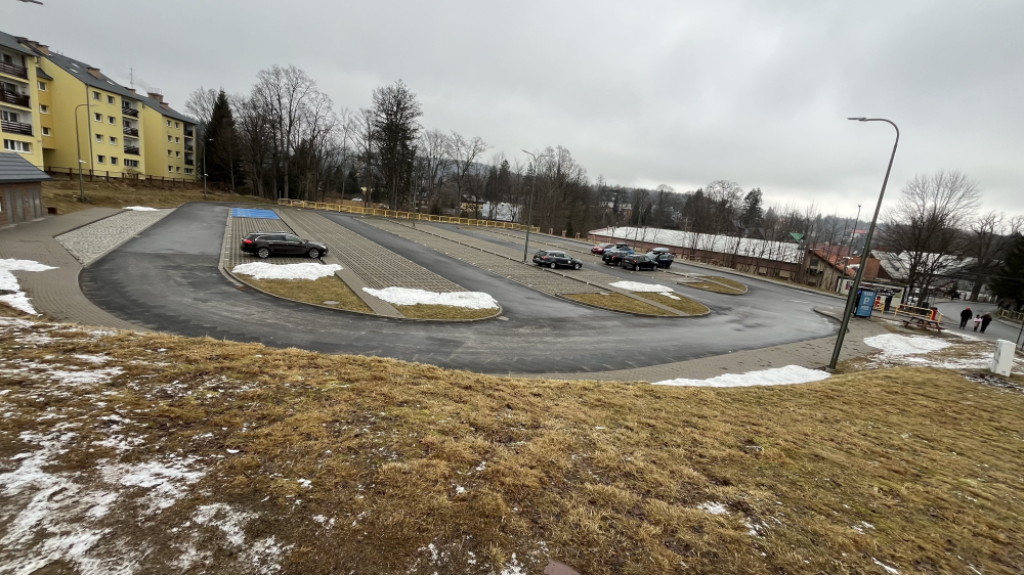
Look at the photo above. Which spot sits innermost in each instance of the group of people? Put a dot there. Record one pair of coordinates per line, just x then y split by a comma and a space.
980, 320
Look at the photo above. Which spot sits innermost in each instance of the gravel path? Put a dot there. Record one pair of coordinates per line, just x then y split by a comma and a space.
91, 242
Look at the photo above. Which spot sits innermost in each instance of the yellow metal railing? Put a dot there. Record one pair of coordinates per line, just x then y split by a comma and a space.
395, 214
918, 312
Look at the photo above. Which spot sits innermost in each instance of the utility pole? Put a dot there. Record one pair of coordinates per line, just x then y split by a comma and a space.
852, 296
529, 207
78, 147
204, 168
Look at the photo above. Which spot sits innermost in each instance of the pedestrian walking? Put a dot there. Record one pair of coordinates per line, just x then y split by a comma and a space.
965, 316
977, 322
985, 320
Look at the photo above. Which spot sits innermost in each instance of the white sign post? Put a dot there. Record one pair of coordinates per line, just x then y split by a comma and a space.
1002, 361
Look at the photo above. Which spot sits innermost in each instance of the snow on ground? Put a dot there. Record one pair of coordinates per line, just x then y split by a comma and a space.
304, 271
895, 344
791, 374
140, 209
641, 287
408, 296
10, 291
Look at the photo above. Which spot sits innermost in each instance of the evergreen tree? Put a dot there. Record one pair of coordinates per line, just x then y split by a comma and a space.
753, 213
1008, 283
221, 144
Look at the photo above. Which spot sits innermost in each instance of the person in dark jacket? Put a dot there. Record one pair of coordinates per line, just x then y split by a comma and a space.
985, 320
965, 316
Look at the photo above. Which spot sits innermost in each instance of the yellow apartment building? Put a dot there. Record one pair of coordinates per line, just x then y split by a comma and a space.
78, 117
20, 124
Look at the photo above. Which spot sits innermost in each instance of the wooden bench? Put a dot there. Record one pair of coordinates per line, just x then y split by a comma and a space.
922, 322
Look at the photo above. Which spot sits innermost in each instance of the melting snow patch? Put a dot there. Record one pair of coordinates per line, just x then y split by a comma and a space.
306, 271
641, 287
140, 209
408, 296
888, 569
713, 508
514, 567
12, 294
893, 344
791, 374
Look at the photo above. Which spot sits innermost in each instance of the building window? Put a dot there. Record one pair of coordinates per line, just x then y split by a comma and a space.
110, 99
179, 169
98, 117
177, 154
168, 137
111, 120
170, 168
177, 125
46, 131
131, 163
95, 95
168, 153
177, 140
113, 160
168, 123
188, 171
113, 141
18, 146
9, 116
42, 86
100, 159
99, 138
44, 109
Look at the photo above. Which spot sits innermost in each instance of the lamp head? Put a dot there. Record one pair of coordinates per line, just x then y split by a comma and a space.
860, 119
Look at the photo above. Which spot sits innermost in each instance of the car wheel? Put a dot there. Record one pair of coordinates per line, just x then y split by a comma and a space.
263, 253
636, 268
553, 265
576, 267
314, 253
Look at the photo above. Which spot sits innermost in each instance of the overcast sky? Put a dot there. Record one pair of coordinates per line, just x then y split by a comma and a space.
644, 93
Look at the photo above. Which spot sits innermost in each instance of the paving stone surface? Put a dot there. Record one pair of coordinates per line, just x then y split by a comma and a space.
55, 292
91, 242
238, 228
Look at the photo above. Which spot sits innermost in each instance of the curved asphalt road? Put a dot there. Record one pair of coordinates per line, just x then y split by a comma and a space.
167, 279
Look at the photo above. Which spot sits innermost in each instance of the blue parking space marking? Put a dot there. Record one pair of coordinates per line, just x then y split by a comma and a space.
254, 213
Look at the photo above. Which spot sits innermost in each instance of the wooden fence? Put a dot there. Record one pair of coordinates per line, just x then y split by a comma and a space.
403, 215
107, 176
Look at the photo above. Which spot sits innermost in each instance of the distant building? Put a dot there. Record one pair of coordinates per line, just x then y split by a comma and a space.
46, 96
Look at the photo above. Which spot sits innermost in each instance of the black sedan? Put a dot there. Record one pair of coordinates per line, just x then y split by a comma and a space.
638, 262
266, 244
555, 259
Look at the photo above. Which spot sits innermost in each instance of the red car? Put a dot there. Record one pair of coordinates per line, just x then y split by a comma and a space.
600, 248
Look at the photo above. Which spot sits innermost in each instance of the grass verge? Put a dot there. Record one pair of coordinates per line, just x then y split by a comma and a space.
739, 287
618, 302
683, 304
63, 195
448, 312
319, 292
176, 454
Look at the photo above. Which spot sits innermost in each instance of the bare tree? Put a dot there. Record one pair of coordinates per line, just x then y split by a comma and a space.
200, 105
433, 149
396, 127
463, 154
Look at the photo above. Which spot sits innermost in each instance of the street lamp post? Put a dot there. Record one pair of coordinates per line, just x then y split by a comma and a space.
205, 144
529, 207
852, 296
78, 147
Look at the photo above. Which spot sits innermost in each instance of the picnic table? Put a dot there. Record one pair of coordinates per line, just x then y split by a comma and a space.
922, 322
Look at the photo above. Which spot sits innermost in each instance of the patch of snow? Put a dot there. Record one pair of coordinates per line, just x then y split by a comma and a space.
514, 567
788, 375
408, 296
641, 287
459, 490
895, 344
713, 507
165, 481
8, 283
140, 209
888, 569
304, 271
91, 358
225, 518
84, 377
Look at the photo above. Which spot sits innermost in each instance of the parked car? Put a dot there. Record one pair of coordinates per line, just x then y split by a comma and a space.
612, 256
600, 248
554, 259
637, 262
662, 257
266, 244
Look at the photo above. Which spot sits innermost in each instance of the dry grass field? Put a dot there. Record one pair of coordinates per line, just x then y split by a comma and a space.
160, 453
64, 194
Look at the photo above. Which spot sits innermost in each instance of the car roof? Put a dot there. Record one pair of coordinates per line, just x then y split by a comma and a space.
264, 233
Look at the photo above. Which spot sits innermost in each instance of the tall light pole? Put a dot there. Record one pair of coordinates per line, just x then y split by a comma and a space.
529, 207
206, 143
851, 298
78, 146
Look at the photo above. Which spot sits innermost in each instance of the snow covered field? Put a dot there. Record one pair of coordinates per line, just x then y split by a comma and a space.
408, 296
304, 271
788, 375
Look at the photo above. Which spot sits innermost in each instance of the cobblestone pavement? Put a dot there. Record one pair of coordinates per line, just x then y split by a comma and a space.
55, 292
91, 242
378, 266
238, 228
813, 354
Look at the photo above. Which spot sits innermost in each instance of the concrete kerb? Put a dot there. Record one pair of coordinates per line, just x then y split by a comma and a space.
673, 311
242, 284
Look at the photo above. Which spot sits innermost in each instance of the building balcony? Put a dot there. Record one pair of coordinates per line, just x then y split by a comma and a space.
14, 70
189, 133
13, 98
16, 128
190, 162
133, 150
189, 148
131, 132
130, 112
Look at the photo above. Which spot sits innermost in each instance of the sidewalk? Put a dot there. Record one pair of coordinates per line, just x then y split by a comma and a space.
814, 354
55, 293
